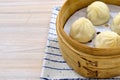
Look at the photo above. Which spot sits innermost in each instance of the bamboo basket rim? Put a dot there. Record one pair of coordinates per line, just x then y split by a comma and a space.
79, 46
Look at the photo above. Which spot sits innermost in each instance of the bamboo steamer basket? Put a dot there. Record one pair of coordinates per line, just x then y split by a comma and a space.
86, 61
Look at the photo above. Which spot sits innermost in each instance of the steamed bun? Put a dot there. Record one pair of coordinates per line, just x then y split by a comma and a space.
115, 26
107, 39
82, 30
98, 12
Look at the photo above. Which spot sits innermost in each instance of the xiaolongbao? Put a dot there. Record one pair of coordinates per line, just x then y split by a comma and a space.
98, 12
115, 26
107, 39
82, 30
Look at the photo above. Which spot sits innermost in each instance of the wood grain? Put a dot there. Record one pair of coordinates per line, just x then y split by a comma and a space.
22, 43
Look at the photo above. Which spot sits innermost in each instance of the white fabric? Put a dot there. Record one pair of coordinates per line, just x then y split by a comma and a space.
55, 67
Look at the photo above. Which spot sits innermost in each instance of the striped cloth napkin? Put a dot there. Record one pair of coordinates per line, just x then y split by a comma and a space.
54, 66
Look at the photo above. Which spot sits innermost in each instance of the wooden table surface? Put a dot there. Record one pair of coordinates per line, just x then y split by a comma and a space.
23, 33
